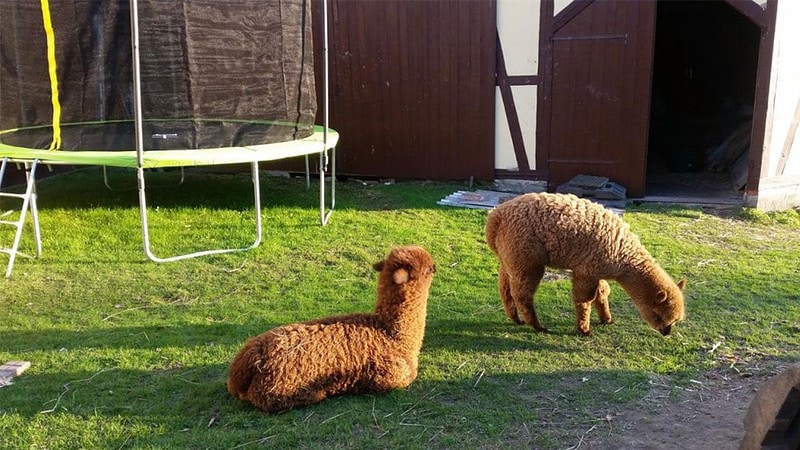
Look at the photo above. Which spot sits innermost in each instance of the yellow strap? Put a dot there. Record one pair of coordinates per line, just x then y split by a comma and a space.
51, 63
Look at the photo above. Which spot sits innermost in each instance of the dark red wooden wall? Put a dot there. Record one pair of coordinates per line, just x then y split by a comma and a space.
412, 87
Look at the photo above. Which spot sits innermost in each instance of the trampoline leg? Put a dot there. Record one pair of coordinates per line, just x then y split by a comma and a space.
143, 213
37, 233
28, 202
308, 174
145, 227
324, 212
3, 171
34, 208
256, 203
333, 178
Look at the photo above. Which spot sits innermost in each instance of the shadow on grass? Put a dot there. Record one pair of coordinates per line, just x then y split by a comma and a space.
85, 188
113, 390
491, 337
144, 337
451, 335
192, 408
473, 396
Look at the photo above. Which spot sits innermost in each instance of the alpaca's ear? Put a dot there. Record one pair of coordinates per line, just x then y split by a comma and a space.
661, 296
400, 276
378, 266
682, 284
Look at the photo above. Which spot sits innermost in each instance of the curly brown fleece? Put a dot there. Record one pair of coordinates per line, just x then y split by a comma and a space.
532, 231
300, 364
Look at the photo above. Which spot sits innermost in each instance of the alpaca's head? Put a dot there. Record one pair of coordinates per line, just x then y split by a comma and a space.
663, 311
410, 268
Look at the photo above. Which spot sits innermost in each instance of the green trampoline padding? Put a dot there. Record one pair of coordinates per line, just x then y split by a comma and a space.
179, 158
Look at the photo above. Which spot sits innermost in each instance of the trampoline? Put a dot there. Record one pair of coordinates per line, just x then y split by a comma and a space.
146, 84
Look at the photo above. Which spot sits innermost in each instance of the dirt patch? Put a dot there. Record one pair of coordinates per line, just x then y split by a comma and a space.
708, 413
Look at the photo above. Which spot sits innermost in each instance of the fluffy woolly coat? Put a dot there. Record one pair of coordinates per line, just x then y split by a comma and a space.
563, 231
299, 364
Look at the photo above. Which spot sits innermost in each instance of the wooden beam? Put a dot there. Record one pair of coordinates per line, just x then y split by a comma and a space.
544, 102
750, 9
502, 174
511, 110
787, 144
522, 80
761, 103
568, 13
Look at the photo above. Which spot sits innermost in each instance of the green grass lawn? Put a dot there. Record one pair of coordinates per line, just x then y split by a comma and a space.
130, 353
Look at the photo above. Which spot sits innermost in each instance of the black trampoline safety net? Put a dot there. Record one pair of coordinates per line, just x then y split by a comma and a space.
213, 73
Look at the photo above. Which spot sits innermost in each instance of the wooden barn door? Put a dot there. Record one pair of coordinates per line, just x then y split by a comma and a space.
602, 58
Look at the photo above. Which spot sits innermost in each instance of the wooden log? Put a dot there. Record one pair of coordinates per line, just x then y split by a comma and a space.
773, 418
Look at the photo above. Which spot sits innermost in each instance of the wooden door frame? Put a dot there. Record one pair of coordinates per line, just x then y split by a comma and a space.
765, 20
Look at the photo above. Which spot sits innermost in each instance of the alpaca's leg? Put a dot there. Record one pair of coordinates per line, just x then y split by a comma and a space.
523, 288
601, 302
584, 291
244, 368
273, 403
276, 394
505, 294
389, 371
313, 394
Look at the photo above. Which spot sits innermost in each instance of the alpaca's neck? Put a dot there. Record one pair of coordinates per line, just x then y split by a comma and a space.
642, 282
404, 320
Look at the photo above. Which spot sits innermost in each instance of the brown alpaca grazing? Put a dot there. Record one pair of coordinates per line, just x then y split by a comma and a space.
563, 231
300, 364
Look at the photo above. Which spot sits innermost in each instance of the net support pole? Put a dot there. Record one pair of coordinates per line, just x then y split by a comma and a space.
140, 176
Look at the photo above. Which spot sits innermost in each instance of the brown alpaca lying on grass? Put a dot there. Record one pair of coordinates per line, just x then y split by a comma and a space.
532, 231
300, 364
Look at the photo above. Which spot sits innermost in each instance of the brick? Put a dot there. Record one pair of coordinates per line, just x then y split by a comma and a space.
13, 369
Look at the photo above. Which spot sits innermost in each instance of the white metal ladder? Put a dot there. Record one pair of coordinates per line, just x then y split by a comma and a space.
28, 203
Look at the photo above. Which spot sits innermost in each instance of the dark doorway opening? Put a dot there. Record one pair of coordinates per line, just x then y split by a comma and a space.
704, 79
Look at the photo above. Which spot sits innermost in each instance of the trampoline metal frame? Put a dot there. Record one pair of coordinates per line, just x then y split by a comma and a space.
138, 121
29, 198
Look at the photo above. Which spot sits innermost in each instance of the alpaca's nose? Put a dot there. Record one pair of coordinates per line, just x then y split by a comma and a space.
665, 331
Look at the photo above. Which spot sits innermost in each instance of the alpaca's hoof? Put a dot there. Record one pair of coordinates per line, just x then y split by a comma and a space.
585, 332
607, 321
541, 329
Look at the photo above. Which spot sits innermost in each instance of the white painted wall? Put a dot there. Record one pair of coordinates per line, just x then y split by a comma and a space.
518, 28
781, 190
559, 5
784, 91
525, 102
